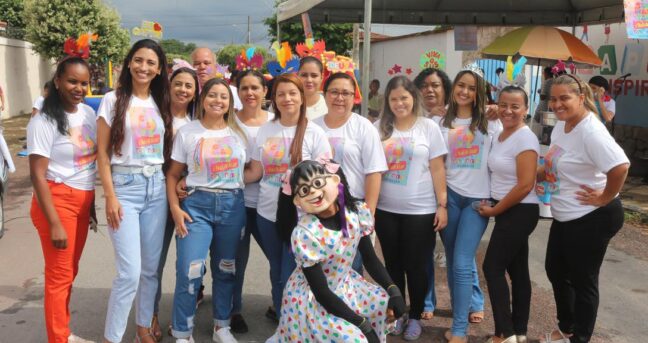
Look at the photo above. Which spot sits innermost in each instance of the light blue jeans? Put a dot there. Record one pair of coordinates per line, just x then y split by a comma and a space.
137, 245
282, 262
218, 221
243, 255
461, 239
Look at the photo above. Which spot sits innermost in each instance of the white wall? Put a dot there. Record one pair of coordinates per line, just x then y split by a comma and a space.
407, 52
22, 75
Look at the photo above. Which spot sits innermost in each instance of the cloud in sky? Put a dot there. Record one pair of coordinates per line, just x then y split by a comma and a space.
211, 23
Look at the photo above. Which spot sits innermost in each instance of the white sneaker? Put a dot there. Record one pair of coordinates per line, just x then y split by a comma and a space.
76, 339
273, 339
223, 335
184, 340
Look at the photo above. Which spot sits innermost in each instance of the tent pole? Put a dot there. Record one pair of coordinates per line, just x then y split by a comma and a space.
366, 57
538, 75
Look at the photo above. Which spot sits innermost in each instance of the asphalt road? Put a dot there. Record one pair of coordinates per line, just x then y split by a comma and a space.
624, 285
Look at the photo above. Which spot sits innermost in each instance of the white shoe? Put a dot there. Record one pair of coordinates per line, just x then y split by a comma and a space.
223, 335
273, 339
184, 340
76, 339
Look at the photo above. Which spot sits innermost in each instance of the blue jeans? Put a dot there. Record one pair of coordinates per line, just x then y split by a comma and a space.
137, 245
282, 263
218, 221
169, 230
251, 229
477, 302
461, 239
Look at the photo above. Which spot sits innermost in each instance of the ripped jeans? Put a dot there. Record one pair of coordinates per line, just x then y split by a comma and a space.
217, 227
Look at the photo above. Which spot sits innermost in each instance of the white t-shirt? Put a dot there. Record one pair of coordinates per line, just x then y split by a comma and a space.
466, 163
609, 105
317, 110
72, 158
407, 186
143, 131
237, 101
214, 158
180, 122
581, 157
502, 162
356, 146
38, 103
273, 151
251, 191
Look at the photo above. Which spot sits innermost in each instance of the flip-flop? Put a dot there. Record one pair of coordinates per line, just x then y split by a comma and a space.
476, 317
427, 315
562, 339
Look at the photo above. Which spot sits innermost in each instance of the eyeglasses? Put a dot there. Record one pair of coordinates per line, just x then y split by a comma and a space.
317, 183
336, 93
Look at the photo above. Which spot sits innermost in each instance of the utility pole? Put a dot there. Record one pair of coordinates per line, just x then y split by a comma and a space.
249, 32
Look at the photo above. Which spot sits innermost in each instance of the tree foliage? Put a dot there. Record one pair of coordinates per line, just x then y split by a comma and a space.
227, 55
11, 12
174, 48
50, 22
338, 37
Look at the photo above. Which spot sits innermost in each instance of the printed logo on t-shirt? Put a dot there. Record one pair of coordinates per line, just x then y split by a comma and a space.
275, 158
84, 147
337, 144
399, 152
147, 136
551, 171
466, 148
220, 157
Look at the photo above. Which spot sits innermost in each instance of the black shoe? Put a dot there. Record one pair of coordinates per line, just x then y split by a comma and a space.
201, 295
238, 324
272, 314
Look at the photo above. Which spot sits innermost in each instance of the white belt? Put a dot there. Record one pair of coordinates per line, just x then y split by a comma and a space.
147, 170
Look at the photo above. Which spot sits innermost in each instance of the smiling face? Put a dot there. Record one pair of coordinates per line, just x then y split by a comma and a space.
311, 77
432, 92
316, 194
144, 66
251, 91
401, 102
566, 103
288, 99
217, 101
464, 91
73, 84
511, 109
339, 97
183, 89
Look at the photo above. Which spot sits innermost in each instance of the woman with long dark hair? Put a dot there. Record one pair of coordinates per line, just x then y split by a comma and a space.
311, 72
412, 202
134, 138
281, 143
585, 169
61, 141
184, 99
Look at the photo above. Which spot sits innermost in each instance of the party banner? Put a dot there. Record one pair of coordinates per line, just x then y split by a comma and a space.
148, 29
636, 18
433, 59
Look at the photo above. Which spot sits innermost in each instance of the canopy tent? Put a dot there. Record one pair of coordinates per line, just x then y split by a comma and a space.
451, 12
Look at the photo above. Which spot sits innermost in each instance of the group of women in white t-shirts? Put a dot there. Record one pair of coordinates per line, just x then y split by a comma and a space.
433, 162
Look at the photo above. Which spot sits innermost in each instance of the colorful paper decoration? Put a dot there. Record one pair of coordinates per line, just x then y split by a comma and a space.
636, 18
315, 49
148, 29
285, 62
79, 47
334, 63
249, 59
432, 59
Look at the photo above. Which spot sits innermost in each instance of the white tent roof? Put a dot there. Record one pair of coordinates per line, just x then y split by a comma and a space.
458, 12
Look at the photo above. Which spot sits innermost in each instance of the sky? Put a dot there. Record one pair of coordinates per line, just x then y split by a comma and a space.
215, 23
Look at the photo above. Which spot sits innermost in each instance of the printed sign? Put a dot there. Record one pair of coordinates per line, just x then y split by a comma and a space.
149, 29
636, 18
433, 59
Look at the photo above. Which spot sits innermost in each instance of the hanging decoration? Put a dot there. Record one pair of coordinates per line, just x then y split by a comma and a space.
285, 63
79, 47
249, 59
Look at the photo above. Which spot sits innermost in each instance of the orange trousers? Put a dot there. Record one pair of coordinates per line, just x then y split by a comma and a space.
62, 265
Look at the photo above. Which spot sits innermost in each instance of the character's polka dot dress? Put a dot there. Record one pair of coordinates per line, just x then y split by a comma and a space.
303, 319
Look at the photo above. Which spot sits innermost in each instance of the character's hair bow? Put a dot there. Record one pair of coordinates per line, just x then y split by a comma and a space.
330, 165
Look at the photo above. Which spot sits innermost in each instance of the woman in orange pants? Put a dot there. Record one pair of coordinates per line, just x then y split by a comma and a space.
61, 141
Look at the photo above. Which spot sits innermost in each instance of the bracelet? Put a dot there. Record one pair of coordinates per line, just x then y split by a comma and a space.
394, 291
442, 205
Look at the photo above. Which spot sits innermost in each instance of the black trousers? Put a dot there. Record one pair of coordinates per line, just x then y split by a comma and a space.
405, 240
508, 252
574, 256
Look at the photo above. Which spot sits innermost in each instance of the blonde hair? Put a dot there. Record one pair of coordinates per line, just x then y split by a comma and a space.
578, 87
230, 116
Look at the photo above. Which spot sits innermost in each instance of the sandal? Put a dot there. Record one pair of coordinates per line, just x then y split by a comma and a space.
427, 315
155, 328
139, 339
563, 338
476, 317
413, 330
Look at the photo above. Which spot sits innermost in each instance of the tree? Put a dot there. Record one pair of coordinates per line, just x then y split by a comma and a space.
11, 12
174, 48
51, 22
227, 55
338, 37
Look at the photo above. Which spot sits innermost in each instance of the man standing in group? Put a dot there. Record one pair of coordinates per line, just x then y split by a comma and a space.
204, 60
